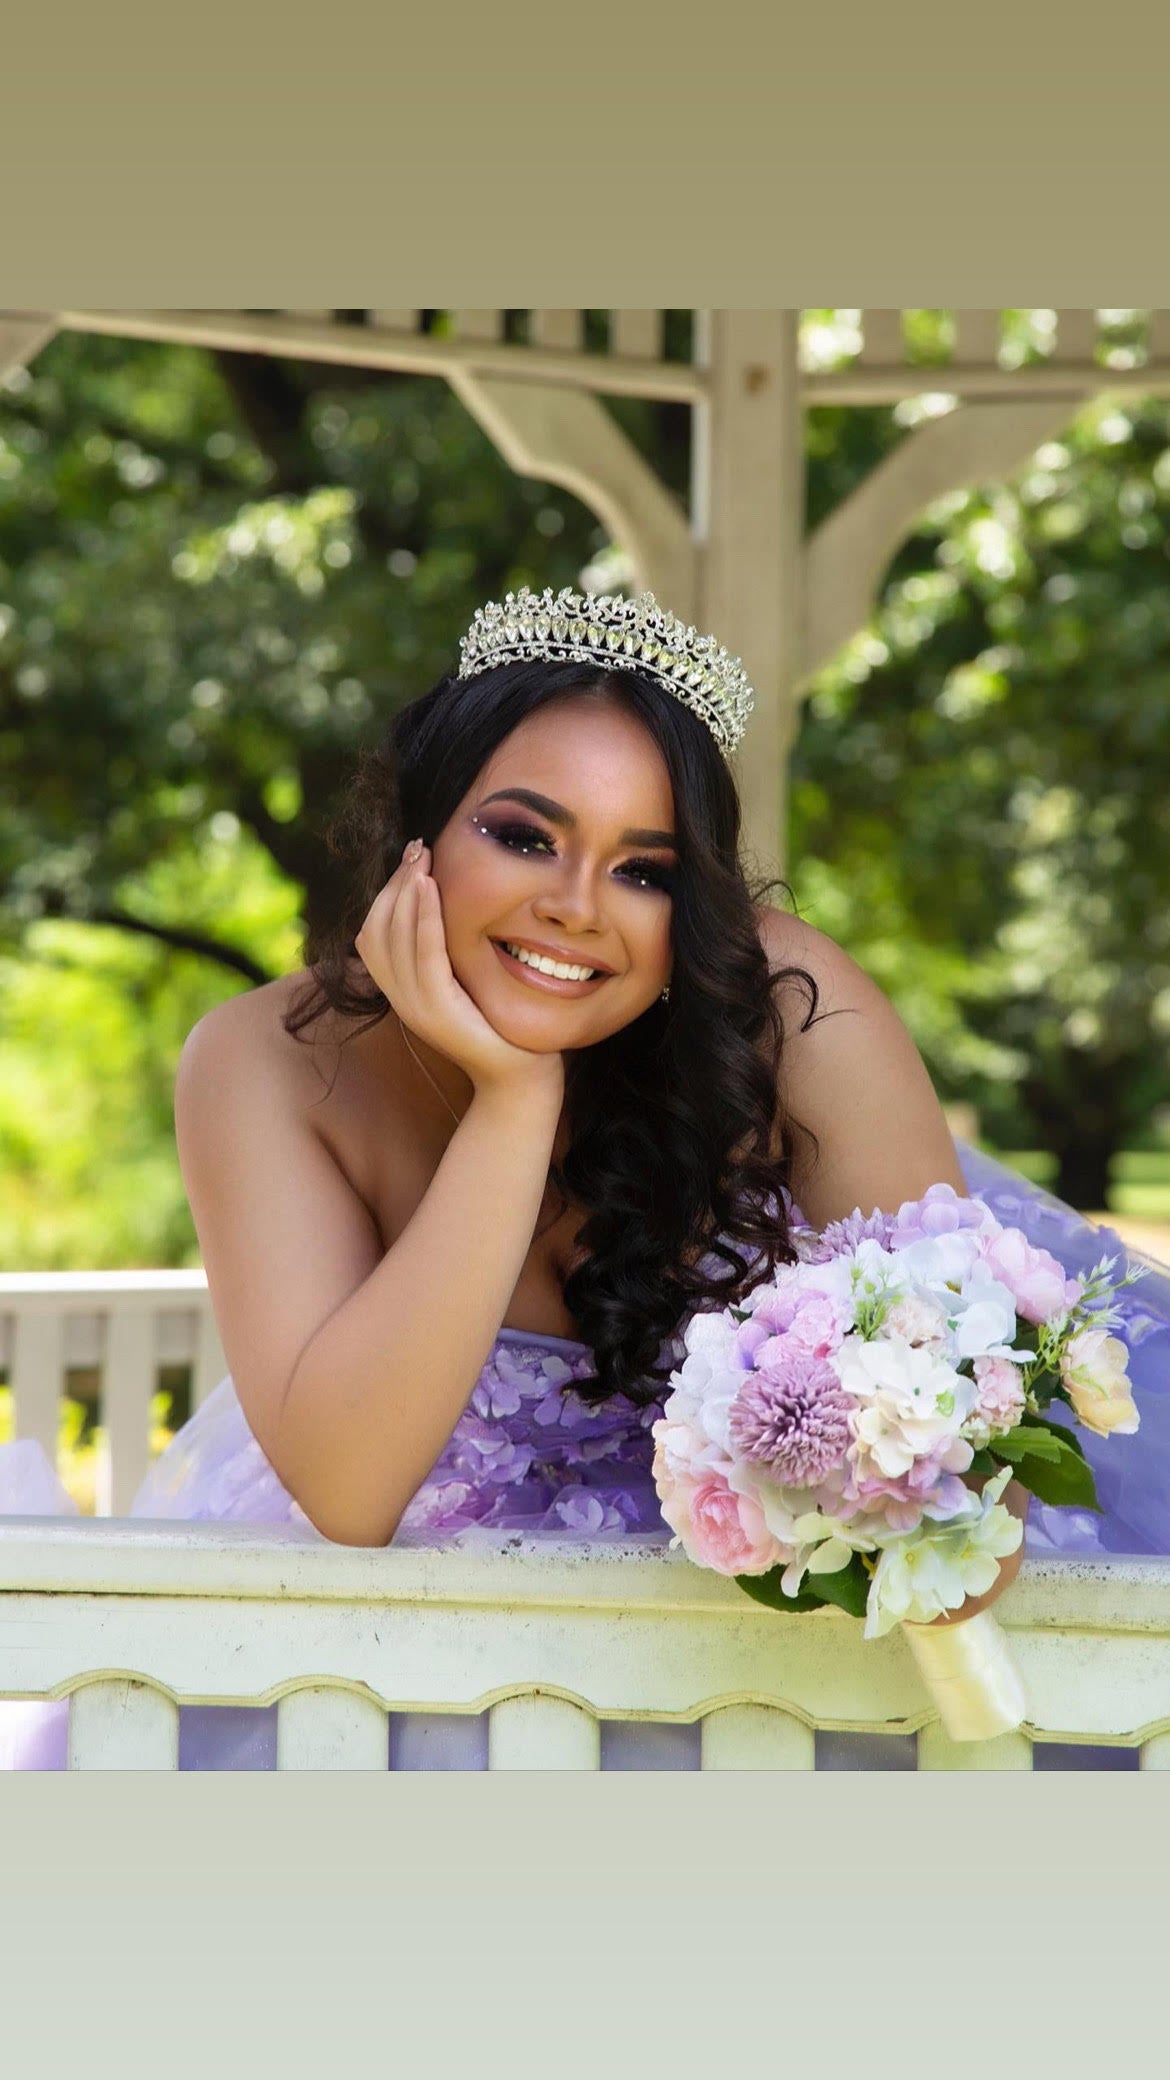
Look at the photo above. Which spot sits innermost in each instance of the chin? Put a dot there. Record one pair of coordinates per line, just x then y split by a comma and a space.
546, 1029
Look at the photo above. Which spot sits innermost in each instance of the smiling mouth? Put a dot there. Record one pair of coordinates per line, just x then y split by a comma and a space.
562, 977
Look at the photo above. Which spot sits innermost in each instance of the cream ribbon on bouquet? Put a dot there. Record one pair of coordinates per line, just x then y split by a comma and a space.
970, 1675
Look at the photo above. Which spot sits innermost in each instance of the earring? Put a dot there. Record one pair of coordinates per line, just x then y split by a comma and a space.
665, 997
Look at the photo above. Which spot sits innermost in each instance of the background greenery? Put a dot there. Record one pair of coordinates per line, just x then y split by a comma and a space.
220, 574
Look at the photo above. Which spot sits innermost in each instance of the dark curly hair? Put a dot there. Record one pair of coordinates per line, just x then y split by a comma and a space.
680, 1149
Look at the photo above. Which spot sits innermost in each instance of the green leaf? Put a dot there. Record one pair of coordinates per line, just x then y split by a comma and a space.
1056, 1471
1062, 1430
765, 1588
982, 1463
849, 1587
1034, 1442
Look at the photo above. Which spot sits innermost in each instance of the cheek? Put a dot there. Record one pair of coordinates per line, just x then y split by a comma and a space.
468, 888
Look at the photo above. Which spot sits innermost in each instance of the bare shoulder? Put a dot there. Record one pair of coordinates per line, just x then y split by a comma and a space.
853, 1076
249, 1029
791, 942
284, 1235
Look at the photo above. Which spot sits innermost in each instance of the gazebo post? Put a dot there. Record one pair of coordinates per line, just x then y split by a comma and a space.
748, 521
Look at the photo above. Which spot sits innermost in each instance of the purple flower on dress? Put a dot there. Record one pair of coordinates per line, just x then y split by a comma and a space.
793, 1419
495, 1395
441, 1506
580, 1510
485, 1452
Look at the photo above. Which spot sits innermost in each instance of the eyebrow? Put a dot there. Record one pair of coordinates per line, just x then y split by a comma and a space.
557, 813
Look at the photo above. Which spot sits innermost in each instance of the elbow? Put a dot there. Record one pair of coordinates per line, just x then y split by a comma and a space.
348, 1524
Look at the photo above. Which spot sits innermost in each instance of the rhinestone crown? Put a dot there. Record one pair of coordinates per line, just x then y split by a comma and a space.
609, 630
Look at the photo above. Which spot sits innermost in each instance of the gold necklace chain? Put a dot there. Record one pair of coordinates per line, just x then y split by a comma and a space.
437, 1088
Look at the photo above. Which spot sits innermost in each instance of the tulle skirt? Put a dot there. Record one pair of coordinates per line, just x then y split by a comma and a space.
214, 1470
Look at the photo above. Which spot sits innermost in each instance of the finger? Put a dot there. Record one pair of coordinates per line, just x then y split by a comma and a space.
399, 935
433, 964
377, 917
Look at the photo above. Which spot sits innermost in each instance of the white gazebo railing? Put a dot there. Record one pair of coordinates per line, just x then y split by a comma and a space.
125, 1325
133, 1620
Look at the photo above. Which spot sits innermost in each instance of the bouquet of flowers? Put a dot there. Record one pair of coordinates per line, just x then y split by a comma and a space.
845, 1433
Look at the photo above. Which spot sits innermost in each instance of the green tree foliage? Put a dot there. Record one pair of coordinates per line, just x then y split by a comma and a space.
982, 787
218, 577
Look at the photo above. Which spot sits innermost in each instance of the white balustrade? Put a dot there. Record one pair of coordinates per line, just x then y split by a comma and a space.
756, 1736
124, 1325
134, 1620
538, 1732
123, 1723
323, 1727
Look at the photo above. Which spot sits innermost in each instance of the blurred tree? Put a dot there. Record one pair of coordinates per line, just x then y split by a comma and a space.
983, 773
220, 575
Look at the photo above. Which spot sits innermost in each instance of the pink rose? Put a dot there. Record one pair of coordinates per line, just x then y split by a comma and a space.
681, 1452
718, 1528
1034, 1279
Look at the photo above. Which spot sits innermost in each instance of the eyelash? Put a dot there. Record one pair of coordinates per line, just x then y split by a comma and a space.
515, 836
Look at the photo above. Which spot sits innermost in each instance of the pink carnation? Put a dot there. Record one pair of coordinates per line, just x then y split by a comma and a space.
814, 1326
1035, 1280
718, 1528
925, 1489
1001, 1395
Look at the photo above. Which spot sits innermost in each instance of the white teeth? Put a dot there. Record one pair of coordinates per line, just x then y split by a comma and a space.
566, 971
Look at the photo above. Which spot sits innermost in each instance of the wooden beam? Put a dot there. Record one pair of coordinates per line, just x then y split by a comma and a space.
478, 324
560, 329
1073, 381
749, 520
375, 346
845, 558
22, 335
637, 334
565, 437
977, 339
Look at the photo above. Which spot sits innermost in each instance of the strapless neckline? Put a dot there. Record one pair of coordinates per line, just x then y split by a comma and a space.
543, 1336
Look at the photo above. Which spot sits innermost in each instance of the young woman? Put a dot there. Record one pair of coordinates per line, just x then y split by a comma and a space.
553, 1081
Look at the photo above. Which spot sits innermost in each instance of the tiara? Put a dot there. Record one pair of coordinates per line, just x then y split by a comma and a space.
608, 629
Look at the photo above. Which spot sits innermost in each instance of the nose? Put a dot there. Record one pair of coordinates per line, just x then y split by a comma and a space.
569, 899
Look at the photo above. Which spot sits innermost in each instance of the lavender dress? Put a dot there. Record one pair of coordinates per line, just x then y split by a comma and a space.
528, 1454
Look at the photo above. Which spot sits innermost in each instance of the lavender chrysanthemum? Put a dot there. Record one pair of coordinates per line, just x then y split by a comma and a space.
793, 1418
843, 1236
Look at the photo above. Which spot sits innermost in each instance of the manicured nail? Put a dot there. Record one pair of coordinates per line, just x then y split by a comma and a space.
412, 851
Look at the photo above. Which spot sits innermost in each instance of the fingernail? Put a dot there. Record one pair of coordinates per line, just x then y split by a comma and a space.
412, 851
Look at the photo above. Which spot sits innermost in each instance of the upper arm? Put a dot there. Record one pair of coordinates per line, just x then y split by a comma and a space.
856, 1079
284, 1237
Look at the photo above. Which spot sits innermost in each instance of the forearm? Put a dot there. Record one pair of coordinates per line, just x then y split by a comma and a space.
378, 1390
